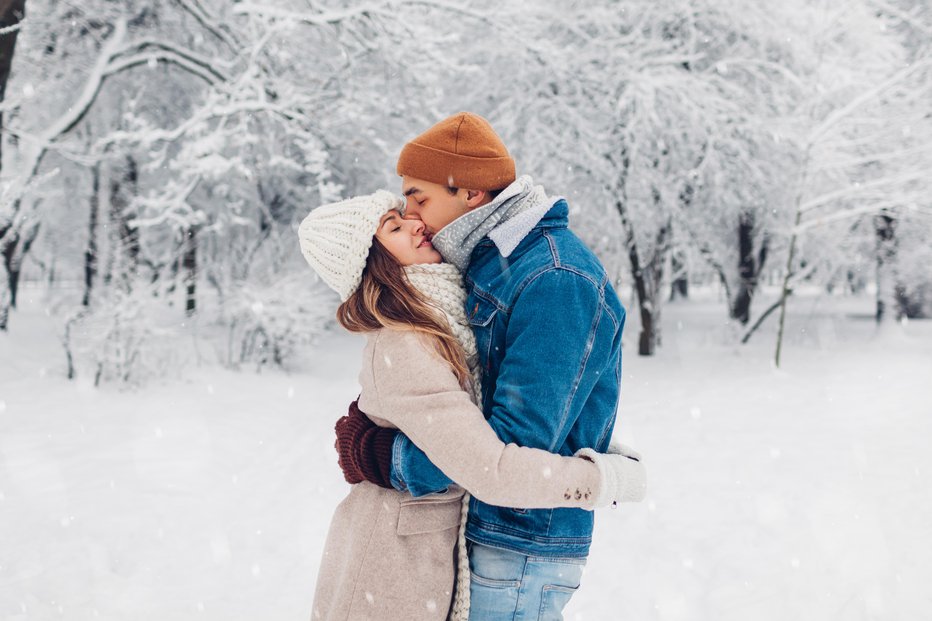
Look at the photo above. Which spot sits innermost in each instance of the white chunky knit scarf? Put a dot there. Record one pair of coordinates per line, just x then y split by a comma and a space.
442, 285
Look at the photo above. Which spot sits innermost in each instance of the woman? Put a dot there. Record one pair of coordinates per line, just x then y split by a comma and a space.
389, 555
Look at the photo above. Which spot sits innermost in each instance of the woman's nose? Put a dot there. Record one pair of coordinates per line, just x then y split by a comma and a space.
418, 227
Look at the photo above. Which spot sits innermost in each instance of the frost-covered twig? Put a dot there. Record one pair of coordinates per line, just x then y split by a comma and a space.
834, 117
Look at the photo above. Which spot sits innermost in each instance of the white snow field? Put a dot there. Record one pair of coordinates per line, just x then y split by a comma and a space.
798, 493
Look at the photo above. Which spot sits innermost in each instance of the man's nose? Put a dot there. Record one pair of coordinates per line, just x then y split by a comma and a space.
410, 205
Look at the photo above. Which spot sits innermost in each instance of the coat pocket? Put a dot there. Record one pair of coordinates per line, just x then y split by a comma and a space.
430, 514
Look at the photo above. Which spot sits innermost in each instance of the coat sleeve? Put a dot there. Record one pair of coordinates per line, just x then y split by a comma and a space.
417, 391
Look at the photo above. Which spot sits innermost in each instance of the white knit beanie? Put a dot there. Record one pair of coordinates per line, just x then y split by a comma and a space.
336, 238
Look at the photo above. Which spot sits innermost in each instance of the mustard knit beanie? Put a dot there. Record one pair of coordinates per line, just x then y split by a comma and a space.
462, 151
336, 238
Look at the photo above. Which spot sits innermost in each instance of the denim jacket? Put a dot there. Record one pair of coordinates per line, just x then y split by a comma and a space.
548, 329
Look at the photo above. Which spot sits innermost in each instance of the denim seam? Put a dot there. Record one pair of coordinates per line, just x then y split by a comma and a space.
566, 560
505, 545
553, 248
495, 584
610, 424
522, 593
590, 341
488, 297
495, 528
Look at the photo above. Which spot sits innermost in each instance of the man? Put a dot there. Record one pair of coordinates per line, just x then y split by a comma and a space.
548, 328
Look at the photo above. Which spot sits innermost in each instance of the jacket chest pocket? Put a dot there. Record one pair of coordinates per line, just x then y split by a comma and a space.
430, 514
481, 315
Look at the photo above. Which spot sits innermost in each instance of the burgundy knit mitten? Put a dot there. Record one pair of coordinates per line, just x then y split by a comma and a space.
364, 448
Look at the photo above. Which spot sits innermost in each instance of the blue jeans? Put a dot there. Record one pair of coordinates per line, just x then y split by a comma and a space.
509, 586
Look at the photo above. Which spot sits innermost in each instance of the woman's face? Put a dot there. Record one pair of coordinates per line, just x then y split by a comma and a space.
407, 240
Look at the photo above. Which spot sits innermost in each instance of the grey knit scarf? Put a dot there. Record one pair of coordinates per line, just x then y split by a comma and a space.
457, 240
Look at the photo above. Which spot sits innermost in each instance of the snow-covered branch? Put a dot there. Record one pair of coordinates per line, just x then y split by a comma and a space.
150, 137
903, 16
855, 190
844, 214
316, 19
210, 23
209, 64
11, 29
871, 93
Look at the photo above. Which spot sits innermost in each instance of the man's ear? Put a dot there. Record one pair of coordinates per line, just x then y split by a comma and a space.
476, 198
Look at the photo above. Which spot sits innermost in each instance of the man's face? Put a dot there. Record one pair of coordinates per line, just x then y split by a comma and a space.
432, 203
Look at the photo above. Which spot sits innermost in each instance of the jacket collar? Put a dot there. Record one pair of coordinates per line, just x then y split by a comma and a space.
557, 216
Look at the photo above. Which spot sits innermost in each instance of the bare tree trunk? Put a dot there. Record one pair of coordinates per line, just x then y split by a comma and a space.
189, 265
647, 281
647, 277
125, 245
91, 254
15, 248
786, 290
887, 246
11, 13
749, 267
646, 341
679, 288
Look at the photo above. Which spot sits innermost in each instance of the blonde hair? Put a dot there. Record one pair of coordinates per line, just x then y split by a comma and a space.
385, 299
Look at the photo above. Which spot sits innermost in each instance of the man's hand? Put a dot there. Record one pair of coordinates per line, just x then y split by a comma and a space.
364, 449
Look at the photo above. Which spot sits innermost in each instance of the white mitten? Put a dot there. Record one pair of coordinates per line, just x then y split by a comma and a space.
624, 477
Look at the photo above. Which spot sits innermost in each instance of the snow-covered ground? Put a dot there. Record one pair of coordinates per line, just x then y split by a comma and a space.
799, 493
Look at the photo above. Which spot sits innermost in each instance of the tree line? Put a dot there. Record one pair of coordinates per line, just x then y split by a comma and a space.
159, 155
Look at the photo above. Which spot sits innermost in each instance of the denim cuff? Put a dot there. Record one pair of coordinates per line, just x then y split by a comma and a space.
396, 477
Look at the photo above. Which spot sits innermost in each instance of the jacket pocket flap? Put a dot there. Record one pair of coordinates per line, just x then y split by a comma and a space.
426, 516
480, 311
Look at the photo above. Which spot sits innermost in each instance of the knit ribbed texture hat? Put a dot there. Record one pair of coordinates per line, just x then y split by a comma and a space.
462, 151
336, 238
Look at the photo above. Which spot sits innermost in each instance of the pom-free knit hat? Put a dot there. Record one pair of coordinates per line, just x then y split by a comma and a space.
462, 151
336, 238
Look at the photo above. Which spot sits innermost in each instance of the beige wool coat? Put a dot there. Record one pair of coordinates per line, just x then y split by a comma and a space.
391, 556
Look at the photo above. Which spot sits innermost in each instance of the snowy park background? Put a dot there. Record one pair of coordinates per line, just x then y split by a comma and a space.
755, 176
